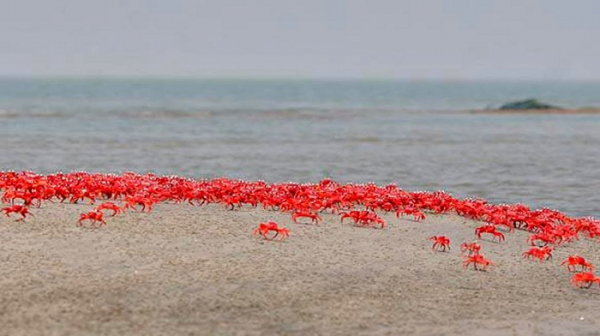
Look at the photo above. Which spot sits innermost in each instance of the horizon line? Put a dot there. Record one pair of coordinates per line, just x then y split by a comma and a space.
294, 78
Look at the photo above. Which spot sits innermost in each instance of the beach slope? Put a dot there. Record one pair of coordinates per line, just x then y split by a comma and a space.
199, 271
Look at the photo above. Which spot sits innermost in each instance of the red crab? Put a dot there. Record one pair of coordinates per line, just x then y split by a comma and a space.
470, 248
355, 215
491, 230
575, 260
584, 280
540, 253
477, 259
314, 217
364, 218
417, 215
12, 195
18, 209
442, 242
232, 201
544, 238
93, 216
264, 228
109, 206
134, 201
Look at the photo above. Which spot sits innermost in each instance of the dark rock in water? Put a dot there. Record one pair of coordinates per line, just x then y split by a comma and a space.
528, 104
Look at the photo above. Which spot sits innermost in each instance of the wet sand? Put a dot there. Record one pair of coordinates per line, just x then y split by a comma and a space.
198, 271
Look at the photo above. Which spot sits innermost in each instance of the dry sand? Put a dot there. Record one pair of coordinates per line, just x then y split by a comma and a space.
198, 271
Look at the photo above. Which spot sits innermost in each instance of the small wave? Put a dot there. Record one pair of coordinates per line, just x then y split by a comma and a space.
365, 139
50, 115
87, 114
158, 114
8, 114
306, 114
289, 114
33, 114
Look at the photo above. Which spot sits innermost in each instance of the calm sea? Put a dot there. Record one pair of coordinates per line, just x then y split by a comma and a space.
419, 135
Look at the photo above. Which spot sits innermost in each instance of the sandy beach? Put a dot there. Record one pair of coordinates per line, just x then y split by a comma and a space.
199, 271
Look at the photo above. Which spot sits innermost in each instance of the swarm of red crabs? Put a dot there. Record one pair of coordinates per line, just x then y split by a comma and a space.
362, 204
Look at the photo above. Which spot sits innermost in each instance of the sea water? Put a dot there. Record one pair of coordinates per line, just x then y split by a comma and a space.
419, 135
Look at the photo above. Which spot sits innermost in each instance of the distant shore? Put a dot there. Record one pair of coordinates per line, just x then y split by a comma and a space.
587, 110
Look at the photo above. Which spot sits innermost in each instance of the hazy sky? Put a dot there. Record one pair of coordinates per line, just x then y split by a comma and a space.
419, 39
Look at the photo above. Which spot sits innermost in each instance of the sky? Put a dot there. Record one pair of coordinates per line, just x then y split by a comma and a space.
390, 39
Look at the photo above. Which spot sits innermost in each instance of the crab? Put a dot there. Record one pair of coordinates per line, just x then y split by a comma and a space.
109, 206
416, 213
18, 209
575, 260
477, 259
543, 253
491, 230
544, 238
93, 216
134, 201
314, 218
442, 242
584, 280
232, 201
470, 248
264, 229
364, 218
355, 215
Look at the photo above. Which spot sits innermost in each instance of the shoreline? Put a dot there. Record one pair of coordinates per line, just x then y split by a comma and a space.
197, 269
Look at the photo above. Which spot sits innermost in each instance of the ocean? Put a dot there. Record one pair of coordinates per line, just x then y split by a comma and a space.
419, 135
